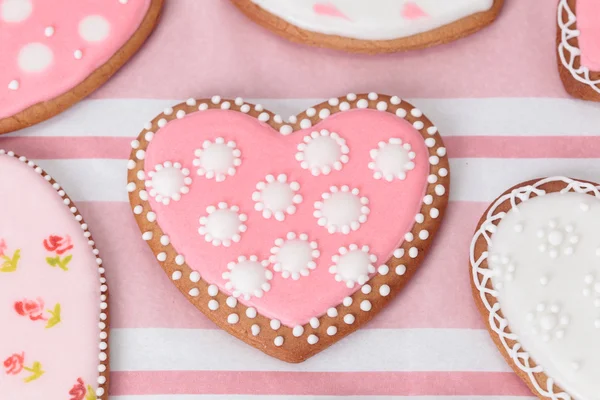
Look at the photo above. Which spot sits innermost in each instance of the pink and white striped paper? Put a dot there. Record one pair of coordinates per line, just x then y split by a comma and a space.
496, 97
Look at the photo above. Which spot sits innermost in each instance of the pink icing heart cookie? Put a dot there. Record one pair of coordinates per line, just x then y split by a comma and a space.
579, 47
55, 53
376, 26
536, 280
289, 235
53, 293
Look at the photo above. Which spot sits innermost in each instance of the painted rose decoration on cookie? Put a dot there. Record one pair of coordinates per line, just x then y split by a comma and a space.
53, 293
536, 280
56, 52
289, 234
579, 47
374, 26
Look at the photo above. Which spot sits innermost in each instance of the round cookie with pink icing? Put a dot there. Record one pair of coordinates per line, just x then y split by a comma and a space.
54, 53
374, 26
54, 317
535, 276
579, 47
289, 233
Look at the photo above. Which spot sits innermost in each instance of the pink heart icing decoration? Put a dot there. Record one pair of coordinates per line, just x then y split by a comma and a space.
328, 9
53, 294
413, 11
183, 224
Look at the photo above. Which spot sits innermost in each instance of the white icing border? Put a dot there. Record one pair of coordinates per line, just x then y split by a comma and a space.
346, 313
103, 345
568, 53
482, 276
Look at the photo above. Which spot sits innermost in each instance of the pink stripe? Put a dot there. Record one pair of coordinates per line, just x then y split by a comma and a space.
514, 57
318, 383
458, 147
137, 281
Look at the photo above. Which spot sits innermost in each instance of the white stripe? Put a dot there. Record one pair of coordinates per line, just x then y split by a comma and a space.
487, 117
292, 397
473, 179
364, 350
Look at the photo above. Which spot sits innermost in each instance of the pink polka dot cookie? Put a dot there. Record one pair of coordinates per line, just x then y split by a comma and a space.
289, 234
54, 53
53, 293
376, 26
535, 274
579, 47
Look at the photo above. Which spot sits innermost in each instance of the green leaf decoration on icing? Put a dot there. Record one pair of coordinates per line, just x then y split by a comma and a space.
91, 395
36, 372
10, 264
55, 316
57, 262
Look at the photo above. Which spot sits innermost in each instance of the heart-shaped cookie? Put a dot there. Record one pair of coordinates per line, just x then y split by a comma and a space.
578, 41
535, 273
289, 235
54, 53
53, 293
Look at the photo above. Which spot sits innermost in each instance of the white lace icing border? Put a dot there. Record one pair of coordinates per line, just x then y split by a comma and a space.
568, 53
481, 276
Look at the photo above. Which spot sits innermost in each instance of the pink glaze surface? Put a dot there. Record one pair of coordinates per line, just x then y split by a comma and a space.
30, 290
588, 24
58, 70
264, 151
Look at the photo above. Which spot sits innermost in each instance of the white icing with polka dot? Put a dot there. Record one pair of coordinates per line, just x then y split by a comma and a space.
322, 152
94, 28
341, 210
223, 225
353, 265
217, 159
168, 182
248, 277
392, 160
276, 197
294, 256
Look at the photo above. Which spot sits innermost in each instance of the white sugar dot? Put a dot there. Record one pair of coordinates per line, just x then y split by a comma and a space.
400, 269
365, 305
312, 339
251, 312
314, 322
384, 290
298, 331
255, 330
332, 330
233, 318
35, 57
16, 10
278, 341
213, 305
349, 319
94, 28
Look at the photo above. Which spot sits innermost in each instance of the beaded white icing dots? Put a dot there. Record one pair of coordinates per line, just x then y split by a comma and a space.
294, 256
556, 240
217, 160
223, 225
392, 160
592, 289
248, 277
503, 268
322, 151
168, 182
341, 209
276, 197
548, 322
353, 265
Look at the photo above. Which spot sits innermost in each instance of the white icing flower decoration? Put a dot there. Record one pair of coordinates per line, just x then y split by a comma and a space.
392, 160
503, 268
556, 239
248, 277
217, 160
592, 289
548, 322
275, 197
168, 182
341, 210
322, 152
294, 256
223, 225
353, 265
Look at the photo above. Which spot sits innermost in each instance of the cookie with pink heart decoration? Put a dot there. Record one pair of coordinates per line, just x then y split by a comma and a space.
375, 26
535, 270
55, 53
53, 293
289, 234
579, 47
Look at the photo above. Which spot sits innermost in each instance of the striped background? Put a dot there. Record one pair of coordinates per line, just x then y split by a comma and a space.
495, 96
